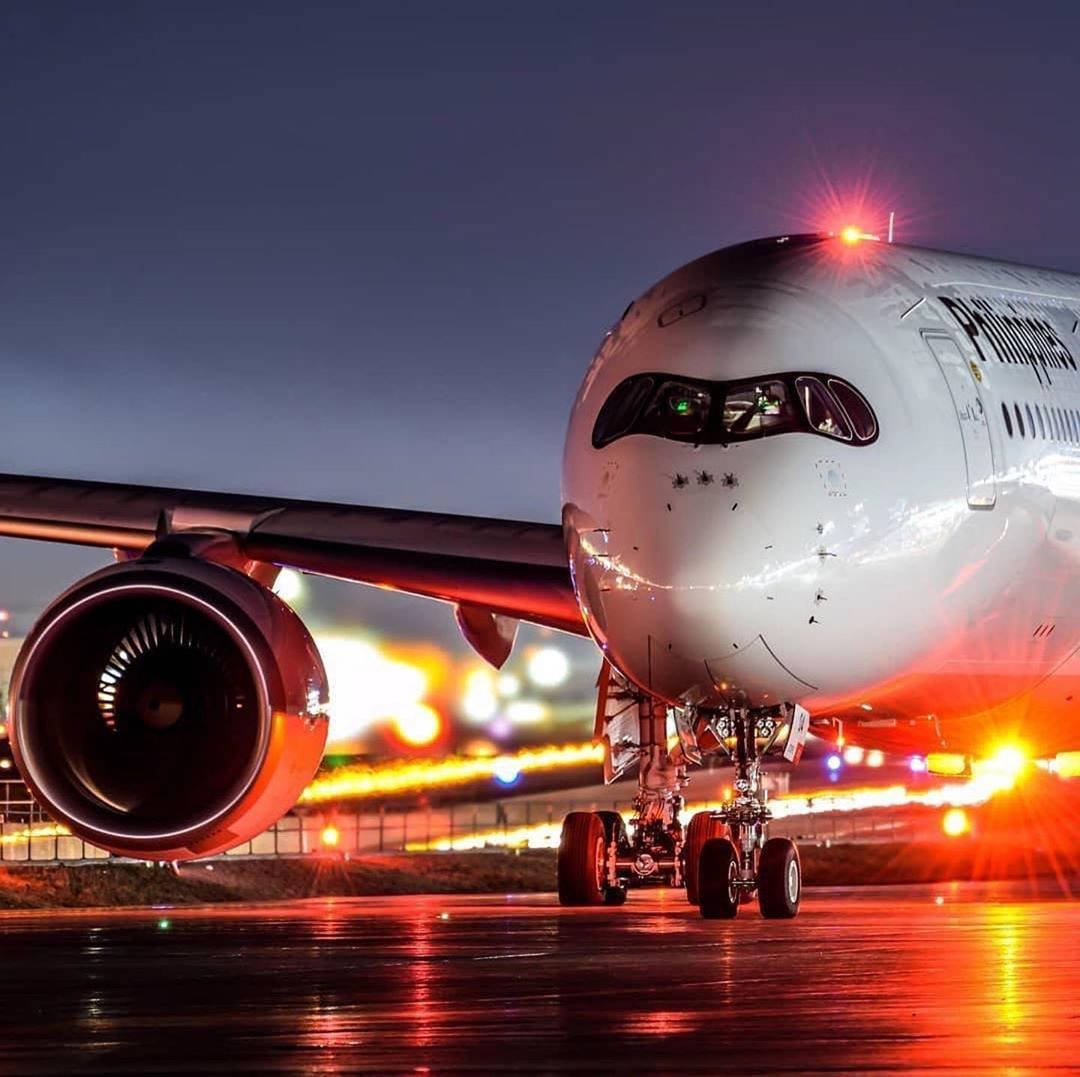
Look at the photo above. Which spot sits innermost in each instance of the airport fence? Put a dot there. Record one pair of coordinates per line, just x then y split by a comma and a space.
28, 836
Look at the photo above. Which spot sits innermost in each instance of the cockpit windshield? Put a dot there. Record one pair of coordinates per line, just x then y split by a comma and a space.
705, 412
756, 409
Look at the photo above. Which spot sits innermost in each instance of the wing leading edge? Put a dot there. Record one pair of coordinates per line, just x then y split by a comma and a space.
508, 568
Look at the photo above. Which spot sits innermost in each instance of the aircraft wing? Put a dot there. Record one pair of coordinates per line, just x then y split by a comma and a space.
487, 567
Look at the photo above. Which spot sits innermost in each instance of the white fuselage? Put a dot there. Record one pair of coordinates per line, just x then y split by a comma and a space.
923, 585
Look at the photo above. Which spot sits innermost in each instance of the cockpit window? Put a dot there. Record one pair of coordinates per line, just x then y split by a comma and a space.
858, 411
678, 410
758, 408
705, 412
822, 411
621, 410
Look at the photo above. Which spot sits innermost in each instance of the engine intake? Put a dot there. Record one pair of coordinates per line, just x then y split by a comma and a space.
168, 708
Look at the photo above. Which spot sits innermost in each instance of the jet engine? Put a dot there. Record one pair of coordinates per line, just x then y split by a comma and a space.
168, 708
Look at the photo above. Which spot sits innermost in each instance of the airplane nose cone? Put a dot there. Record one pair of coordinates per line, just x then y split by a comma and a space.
701, 588
683, 604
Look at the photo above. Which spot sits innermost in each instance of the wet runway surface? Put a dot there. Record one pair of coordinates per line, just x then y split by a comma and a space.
954, 976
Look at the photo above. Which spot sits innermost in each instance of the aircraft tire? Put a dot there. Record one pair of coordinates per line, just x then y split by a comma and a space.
779, 880
582, 860
718, 868
701, 827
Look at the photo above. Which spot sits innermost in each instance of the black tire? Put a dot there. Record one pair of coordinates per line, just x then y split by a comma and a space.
702, 826
718, 868
582, 859
779, 880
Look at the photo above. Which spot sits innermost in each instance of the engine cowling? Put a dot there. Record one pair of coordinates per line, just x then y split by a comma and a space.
168, 708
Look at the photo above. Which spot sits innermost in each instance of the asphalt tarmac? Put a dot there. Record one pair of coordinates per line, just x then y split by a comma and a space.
956, 976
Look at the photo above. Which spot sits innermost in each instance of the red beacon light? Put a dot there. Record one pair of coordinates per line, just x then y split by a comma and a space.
852, 234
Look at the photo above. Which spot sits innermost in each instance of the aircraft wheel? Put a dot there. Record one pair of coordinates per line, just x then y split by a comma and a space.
614, 831
582, 860
718, 868
614, 828
779, 879
702, 826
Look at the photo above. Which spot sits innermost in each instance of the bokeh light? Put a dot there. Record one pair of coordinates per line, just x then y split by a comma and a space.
417, 724
955, 823
479, 702
367, 686
507, 770
526, 711
548, 667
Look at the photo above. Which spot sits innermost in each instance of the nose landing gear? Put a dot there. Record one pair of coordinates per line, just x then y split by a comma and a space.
731, 870
724, 857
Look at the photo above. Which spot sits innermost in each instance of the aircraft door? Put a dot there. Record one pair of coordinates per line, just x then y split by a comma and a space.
963, 380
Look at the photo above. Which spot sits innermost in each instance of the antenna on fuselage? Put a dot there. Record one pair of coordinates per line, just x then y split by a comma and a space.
892, 221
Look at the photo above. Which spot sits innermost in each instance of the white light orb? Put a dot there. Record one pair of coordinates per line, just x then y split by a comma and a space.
548, 667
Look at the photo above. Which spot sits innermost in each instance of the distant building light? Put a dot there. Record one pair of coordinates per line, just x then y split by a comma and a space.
508, 686
874, 758
917, 764
330, 837
834, 762
854, 755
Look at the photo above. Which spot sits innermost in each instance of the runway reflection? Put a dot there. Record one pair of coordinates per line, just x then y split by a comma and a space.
957, 976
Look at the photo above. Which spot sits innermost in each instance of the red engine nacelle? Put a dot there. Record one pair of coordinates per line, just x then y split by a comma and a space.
168, 708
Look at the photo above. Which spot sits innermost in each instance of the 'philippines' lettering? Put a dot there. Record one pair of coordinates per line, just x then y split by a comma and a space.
1014, 337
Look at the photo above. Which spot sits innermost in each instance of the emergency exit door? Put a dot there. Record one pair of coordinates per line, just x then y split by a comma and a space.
963, 384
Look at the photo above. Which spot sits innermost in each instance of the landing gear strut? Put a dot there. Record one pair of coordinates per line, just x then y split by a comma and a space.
732, 869
723, 857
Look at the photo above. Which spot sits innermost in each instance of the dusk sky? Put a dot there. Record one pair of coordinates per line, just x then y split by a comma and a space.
325, 251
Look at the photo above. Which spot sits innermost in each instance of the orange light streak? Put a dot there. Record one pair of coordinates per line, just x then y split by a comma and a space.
46, 830
973, 792
415, 775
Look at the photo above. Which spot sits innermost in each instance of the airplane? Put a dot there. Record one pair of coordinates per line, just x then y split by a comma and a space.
811, 483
